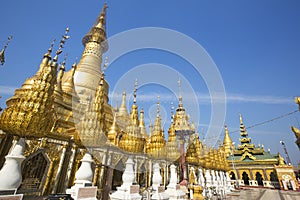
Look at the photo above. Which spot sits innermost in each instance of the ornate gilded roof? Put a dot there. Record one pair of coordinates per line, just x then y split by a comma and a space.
227, 142
33, 114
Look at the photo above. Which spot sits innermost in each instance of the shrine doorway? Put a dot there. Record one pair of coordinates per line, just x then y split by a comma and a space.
245, 177
117, 176
232, 176
34, 173
259, 179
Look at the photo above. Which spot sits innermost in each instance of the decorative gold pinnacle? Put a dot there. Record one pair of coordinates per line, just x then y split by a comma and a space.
65, 37
98, 31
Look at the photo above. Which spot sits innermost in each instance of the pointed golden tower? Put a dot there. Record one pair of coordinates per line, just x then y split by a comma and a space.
227, 142
66, 106
91, 128
112, 133
123, 109
207, 163
123, 118
33, 114
172, 147
134, 115
191, 154
132, 139
88, 73
245, 140
157, 138
58, 87
142, 125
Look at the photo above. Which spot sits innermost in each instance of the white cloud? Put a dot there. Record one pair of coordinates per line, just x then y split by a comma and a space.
265, 99
7, 90
204, 98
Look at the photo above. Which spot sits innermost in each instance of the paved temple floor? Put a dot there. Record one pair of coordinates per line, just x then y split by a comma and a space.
262, 194
245, 194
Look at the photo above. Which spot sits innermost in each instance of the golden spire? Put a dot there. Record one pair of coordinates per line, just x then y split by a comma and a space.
88, 72
191, 155
172, 147
68, 81
142, 124
98, 32
99, 103
58, 86
157, 123
134, 109
280, 160
112, 133
123, 109
171, 134
227, 142
133, 140
157, 138
242, 126
198, 146
205, 156
243, 132
181, 119
2, 57
180, 104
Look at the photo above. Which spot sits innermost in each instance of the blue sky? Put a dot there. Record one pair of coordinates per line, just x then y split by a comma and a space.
254, 44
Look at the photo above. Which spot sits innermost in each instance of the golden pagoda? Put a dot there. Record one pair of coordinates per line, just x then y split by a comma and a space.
62, 114
194, 151
157, 141
227, 142
172, 146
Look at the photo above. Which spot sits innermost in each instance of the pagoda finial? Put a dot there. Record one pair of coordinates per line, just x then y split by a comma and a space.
2, 59
98, 31
179, 85
180, 104
134, 109
158, 106
112, 134
172, 112
101, 21
227, 142
135, 90
142, 124
51, 47
123, 109
63, 40
241, 119
68, 84
60, 75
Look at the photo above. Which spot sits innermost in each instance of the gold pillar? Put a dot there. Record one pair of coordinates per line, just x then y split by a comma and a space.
101, 180
62, 157
69, 171
150, 173
49, 176
96, 174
